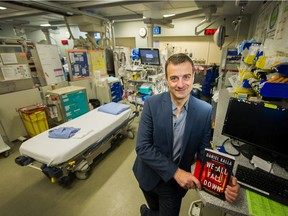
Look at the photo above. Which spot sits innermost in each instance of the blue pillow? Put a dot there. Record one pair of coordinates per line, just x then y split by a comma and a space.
114, 108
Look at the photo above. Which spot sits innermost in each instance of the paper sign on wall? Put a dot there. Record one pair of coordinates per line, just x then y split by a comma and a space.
78, 63
12, 72
9, 58
51, 63
98, 61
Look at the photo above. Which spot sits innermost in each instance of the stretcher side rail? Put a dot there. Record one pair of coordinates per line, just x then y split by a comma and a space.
102, 145
113, 132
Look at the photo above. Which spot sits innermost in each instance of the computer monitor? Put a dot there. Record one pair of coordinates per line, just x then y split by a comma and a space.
149, 56
262, 127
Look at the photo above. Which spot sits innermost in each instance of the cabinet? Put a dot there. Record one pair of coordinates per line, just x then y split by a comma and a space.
71, 102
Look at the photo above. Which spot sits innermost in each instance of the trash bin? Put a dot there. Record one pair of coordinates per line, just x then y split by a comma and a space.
34, 119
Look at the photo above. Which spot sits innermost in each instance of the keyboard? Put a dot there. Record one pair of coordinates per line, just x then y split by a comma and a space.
263, 183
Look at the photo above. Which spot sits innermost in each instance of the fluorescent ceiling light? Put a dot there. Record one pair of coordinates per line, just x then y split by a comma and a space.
45, 25
168, 15
2, 8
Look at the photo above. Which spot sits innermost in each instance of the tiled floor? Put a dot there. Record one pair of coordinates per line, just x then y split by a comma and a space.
110, 190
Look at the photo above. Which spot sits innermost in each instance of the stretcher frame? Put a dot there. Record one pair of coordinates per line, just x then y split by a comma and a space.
79, 165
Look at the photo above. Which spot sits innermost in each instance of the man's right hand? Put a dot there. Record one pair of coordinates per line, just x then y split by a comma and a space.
186, 180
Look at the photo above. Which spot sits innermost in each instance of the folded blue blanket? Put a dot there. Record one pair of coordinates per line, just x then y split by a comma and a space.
113, 108
63, 132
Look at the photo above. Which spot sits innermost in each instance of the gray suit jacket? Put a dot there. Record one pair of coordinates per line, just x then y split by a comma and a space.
155, 139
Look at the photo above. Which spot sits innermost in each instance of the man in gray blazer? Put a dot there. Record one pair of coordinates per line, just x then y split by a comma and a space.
175, 127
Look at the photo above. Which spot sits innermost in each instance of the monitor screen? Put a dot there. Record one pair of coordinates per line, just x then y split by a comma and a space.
262, 125
149, 56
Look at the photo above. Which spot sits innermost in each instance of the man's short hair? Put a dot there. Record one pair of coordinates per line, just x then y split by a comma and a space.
178, 58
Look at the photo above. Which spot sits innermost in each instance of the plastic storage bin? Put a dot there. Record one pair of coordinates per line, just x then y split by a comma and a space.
34, 119
274, 90
145, 89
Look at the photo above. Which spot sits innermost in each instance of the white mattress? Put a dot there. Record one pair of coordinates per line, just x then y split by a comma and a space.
56, 151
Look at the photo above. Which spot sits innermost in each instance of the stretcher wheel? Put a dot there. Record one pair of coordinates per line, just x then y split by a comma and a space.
130, 134
82, 175
66, 181
6, 154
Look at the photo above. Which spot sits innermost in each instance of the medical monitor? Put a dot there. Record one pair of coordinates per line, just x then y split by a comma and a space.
149, 56
262, 126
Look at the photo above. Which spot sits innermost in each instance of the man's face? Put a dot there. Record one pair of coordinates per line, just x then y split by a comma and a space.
180, 80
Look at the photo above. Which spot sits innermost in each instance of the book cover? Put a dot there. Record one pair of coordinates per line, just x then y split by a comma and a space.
214, 172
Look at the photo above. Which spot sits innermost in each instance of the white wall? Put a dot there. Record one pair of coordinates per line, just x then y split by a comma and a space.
186, 27
183, 37
182, 27
7, 31
35, 36
128, 29
56, 36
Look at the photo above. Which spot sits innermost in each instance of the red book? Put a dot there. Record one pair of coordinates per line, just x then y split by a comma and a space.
214, 172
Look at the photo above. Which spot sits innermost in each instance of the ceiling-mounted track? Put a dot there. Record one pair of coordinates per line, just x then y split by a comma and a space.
51, 7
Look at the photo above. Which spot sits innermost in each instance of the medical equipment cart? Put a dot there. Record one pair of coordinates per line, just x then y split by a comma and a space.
71, 101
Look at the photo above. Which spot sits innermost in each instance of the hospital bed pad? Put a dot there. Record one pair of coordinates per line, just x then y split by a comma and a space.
53, 151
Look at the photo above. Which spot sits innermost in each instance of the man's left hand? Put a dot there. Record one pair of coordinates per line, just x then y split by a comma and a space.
232, 190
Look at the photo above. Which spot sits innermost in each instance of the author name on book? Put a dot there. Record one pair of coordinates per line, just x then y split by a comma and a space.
222, 160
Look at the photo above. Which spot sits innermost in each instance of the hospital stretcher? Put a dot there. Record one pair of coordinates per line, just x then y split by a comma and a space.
62, 159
